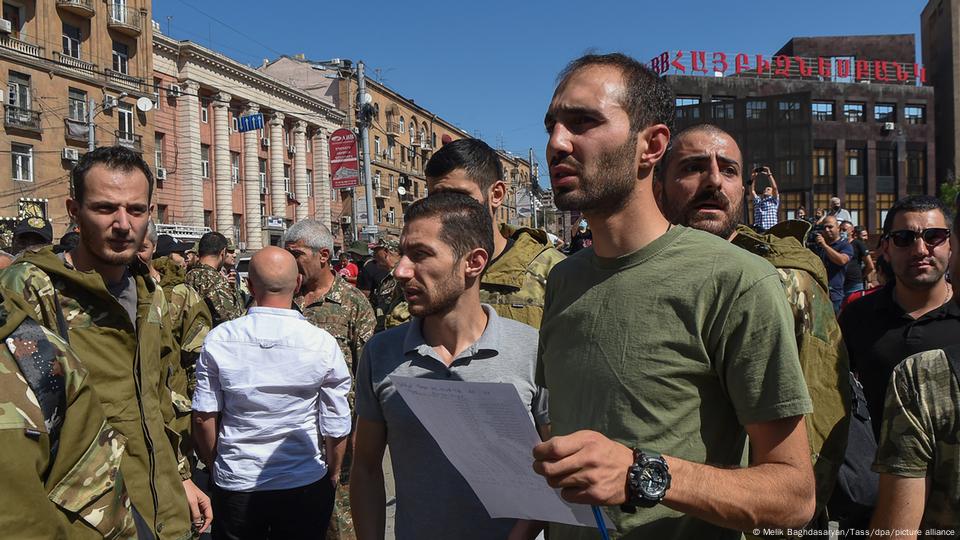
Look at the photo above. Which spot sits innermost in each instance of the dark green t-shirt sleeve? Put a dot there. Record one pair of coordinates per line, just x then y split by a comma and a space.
758, 359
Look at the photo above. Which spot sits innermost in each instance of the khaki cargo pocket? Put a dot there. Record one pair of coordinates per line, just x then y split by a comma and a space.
93, 489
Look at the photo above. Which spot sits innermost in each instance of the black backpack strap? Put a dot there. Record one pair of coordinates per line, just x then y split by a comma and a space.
42, 371
952, 353
62, 327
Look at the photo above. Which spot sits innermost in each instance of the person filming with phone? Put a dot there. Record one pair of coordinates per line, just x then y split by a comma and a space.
767, 206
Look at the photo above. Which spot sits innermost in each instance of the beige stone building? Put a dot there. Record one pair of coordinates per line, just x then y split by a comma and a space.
63, 60
402, 137
247, 185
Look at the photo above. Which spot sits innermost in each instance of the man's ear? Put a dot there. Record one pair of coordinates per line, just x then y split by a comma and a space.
496, 195
324, 255
476, 261
73, 209
652, 145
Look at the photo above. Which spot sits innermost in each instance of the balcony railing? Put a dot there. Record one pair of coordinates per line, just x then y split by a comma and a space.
84, 8
20, 118
129, 140
73, 62
122, 79
125, 19
20, 45
393, 129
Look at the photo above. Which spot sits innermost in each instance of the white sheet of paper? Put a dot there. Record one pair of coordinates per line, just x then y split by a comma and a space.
486, 433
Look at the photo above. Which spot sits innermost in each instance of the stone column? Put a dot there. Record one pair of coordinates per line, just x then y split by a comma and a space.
223, 187
300, 169
251, 184
188, 164
321, 177
278, 196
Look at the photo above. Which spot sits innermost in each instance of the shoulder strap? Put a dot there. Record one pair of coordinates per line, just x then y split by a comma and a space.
952, 353
41, 369
62, 328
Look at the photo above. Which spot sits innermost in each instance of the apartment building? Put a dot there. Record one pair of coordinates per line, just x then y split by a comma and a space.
66, 61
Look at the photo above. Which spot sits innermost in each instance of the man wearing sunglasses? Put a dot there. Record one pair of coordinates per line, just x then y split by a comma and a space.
911, 314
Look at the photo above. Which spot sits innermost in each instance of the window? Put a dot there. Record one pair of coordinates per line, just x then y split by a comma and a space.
391, 149
856, 204
389, 183
121, 57
235, 121
309, 183
854, 160
158, 149
235, 167
157, 83
756, 110
205, 161
884, 202
789, 110
914, 114
823, 166
853, 112
125, 121
433, 140
687, 107
22, 161
885, 112
916, 171
71, 41
392, 216
205, 110
262, 164
401, 124
162, 213
208, 218
722, 108
77, 102
822, 111
309, 144
119, 10
886, 161
376, 146
18, 91
286, 179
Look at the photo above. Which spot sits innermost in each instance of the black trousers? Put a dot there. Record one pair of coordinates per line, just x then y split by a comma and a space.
298, 513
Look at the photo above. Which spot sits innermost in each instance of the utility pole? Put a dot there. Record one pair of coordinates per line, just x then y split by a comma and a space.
534, 181
91, 139
363, 101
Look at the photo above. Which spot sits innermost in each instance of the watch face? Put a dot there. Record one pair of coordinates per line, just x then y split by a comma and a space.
653, 480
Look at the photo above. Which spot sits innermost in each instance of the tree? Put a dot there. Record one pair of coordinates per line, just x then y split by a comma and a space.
949, 190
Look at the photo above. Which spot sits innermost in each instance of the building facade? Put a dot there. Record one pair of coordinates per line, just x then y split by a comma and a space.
67, 62
248, 185
844, 116
940, 43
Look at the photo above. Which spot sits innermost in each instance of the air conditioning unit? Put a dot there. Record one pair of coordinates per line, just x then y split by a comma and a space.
265, 142
889, 126
5, 26
174, 90
263, 190
71, 154
344, 220
109, 102
161, 173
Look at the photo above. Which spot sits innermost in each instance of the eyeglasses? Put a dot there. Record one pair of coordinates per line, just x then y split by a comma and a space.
931, 237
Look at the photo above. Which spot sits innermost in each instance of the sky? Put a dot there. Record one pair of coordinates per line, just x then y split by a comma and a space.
489, 67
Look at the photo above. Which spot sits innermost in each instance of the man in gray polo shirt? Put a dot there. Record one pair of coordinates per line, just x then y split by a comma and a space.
445, 246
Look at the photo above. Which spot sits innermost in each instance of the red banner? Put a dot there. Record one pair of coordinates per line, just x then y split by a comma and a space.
344, 166
836, 69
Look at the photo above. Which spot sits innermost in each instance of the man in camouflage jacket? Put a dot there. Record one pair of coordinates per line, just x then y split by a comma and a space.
330, 303
59, 459
222, 299
189, 314
700, 185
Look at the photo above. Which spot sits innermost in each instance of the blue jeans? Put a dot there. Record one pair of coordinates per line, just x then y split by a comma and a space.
850, 289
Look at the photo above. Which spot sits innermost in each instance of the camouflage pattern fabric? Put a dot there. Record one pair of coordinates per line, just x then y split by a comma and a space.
386, 298
920, 435
190, 317
45, 491
346, 314
515, 285
222, 299
823, 355
134, 370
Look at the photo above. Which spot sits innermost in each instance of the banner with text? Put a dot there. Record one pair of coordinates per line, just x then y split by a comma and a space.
344, 165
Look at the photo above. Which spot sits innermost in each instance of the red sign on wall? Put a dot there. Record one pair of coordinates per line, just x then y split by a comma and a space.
837, 69
344, 166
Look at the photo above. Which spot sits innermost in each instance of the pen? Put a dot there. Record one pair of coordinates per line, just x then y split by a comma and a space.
600, 525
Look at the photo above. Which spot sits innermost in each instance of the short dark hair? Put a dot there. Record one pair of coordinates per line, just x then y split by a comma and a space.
648, 99
465, 224
675, 139
915, 203
475, 157
211, 243
112, 157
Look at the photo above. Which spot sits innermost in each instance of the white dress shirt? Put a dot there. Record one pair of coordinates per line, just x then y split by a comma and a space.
281, 385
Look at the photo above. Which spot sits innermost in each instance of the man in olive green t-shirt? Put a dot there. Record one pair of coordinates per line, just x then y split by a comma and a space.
662, 347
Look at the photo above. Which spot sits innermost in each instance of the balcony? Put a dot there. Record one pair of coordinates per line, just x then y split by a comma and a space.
129, 140
83, 8
20, 45
77, 63
125, 20
121, 79
393, 129
19, 118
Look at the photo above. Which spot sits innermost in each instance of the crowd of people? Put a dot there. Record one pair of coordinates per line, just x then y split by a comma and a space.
686, 372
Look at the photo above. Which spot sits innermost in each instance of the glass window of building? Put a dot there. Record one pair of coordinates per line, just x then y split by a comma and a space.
853, 112
18, 91
125, 121
886, 162
205, 110
205, 161
262, 166
77, 101
854, 161
789, 110
235, 167
756, 110
885, 112
823, 166
21, 156
158, 149
71, 41
687, 107
855, 203
914, 114
822, 111
309, 183
121, 58
884, 202
916, 171
286, 179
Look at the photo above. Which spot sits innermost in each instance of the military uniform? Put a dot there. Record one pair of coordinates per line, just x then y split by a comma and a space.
222, 299
189, 314
920, 435
823, 355
59, 459
346, 314
515, 283
132, 369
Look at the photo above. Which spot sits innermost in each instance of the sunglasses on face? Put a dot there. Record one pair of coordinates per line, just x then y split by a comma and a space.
931, 237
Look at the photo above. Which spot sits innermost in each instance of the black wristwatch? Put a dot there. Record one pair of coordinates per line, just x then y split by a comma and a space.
648, 480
